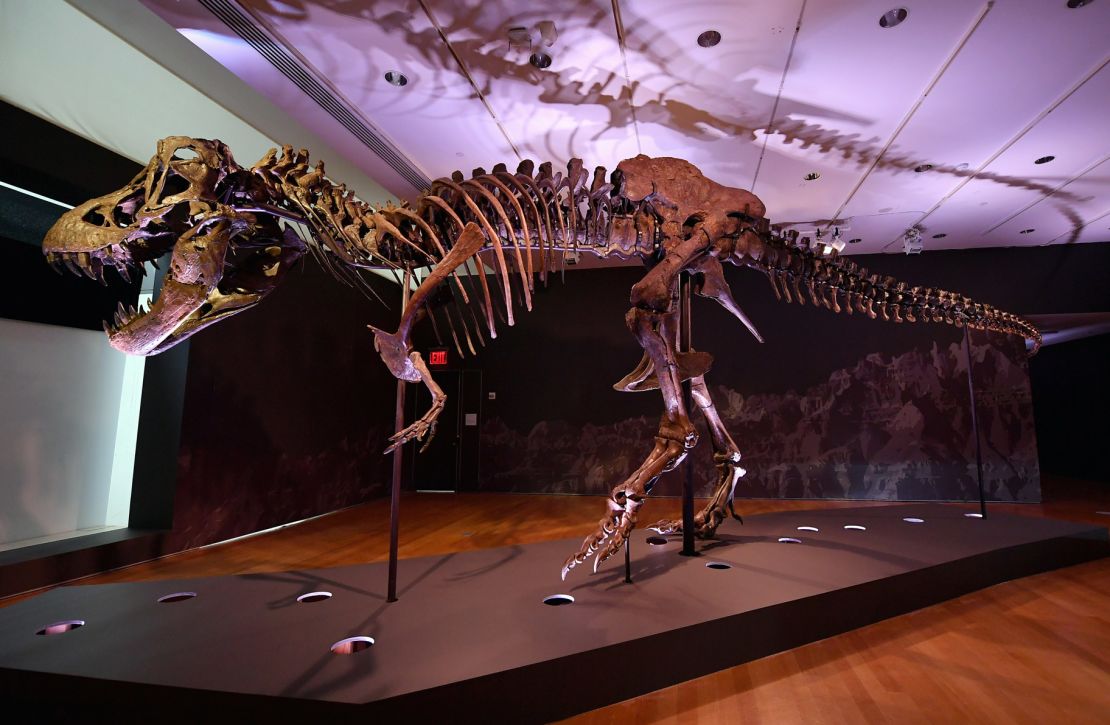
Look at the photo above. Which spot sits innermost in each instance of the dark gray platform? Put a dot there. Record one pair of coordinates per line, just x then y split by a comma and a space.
472, 640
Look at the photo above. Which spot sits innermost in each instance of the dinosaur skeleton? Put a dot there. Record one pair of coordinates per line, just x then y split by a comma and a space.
232, 232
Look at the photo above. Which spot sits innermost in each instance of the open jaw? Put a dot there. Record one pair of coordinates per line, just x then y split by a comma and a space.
180, 309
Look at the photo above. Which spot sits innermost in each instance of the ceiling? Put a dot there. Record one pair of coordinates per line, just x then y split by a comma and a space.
972, 93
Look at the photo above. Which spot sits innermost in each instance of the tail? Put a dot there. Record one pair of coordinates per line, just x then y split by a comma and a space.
800, 273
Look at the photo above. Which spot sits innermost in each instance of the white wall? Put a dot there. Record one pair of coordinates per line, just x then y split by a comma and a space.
116, 74
61, 399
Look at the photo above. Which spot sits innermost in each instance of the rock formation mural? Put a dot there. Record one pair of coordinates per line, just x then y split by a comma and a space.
892, 426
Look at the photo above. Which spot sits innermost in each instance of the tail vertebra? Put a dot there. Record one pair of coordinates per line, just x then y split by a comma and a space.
798, 272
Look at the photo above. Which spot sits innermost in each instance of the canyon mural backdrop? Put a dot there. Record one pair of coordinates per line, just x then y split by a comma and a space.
829, 408
892, 426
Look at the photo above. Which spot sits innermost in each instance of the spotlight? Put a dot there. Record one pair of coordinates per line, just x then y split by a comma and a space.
709, 38
892, 18
911, 241
534, 41
396, 78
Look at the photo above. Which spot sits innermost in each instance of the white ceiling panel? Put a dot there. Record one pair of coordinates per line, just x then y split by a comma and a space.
969, 123
1014, 187
573, 108
993, 85
433, 118
867, 79
707, 104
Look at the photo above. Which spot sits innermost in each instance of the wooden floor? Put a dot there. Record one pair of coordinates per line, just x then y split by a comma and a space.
1036, 650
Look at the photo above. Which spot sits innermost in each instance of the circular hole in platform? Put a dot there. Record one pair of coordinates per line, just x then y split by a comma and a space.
808, 528
913, 520
855, 527
657, 541
314, 597
351, 645
789, 540
974, 516
718, 565
61, 627
176, 597
558, 600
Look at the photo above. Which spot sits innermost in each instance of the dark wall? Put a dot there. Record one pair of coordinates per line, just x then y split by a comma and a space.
287, 411
1071, 397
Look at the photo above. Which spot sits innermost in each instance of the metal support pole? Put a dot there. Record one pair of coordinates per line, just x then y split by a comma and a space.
395, 489
684, 345
628, 561
975, 425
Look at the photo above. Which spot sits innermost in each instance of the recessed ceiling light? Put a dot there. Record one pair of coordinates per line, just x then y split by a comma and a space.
939, 236
857, 240
396, 78
812, 176
1027, 231
922, 168
1078, 3
1044, 159
709, 38
541, 60
894, 17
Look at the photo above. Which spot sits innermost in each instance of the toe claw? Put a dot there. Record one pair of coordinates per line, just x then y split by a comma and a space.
666, 527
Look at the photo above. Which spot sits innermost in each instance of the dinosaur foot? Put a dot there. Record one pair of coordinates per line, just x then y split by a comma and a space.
611, 534
719, 508
667, 527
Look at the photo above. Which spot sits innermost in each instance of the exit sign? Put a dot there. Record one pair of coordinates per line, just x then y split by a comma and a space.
437, 357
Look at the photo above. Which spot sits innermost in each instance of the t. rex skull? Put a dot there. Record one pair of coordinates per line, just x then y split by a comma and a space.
192, 198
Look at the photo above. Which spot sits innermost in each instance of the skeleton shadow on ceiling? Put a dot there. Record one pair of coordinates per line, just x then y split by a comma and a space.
470, 30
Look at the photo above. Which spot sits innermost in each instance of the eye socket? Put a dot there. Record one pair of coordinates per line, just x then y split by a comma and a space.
124, 212
94, 217
175, 184
185, 154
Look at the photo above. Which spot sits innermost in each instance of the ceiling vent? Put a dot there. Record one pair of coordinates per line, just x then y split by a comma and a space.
245, 27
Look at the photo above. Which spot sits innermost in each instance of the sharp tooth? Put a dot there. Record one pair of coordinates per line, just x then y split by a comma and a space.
131, 310
107, 327
154, 262
123, 272
72, 266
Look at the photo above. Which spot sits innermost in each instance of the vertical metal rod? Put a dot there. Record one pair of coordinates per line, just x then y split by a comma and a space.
628, 561
684, 345
395, 488
975, 425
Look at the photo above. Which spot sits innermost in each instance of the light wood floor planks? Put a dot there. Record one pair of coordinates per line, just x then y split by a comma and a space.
1036, 650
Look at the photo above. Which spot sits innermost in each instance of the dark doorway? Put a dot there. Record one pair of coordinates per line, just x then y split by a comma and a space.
451, 461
